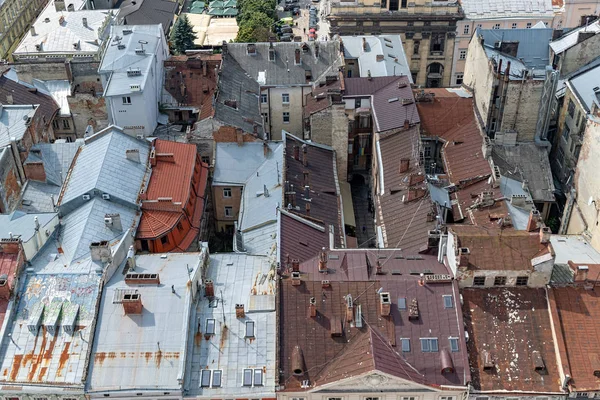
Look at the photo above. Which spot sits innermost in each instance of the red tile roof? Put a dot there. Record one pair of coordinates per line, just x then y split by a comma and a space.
576, 317
510, 325
404, 223
465, 205
499, 249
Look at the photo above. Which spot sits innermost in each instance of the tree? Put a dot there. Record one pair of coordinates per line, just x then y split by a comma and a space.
254, 27
247, 7
183, 35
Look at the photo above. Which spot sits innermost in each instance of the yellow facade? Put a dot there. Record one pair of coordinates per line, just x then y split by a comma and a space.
16, 17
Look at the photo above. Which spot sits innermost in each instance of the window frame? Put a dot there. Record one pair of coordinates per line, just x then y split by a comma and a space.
126, 100
250, 325
498, 279
514, 25
496, 26
520, 279
285, 96
286, 117
429, 341
248, 383
207, 323
477, 279
462, 54
403, 341
260, 374
227, 193
460, 77
449, 297
228, 210
212, 381
264, 99
205, 373
466, 29
528, 26
451, 340
402, 303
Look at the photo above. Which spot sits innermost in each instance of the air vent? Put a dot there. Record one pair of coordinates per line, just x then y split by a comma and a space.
86, 197
140, 52
127, 32
121, 47
105, 196
134, 72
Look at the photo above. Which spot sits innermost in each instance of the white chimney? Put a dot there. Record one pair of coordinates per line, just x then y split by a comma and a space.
84, 22
131, 258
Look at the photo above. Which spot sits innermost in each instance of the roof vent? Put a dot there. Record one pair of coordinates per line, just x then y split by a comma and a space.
127, 32
132, 303
336, 326
446, 361
121, 47
46, 19
538, 361
52, 317
251, 49
487, 361
407, 101
393, 99
134, 72
296, 281
140, 51
70, 318
142, 279
135, 88
86, 197
33, 325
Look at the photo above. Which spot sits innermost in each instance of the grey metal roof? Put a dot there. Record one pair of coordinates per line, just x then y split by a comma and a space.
519, 215
59, 90
145, 12
261, 241
583, 85
37, 197
22, 224
284, 71
439, 195
56, 157
13, 121
102, 165
150, 348
366, 49
503, 9
575, 248
238, 279
569, 39
526, 162
234, 164
242, 94
117, 62
533, 48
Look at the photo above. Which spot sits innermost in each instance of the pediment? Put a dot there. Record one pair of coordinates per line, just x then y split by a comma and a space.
373, 381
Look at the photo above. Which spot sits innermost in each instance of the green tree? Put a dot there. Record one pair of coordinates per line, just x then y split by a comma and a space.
182, 35
254, 27
248, 7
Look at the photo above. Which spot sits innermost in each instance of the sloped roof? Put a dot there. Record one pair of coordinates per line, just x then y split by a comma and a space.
234, 164
300, 239
533, 48
22, 224
500, 9
56, 158
570, 38
463, 154
149, 12
23, 95
366, 49
13, 122
583, 85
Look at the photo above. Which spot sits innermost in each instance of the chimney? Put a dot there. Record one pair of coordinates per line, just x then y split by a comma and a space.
325, 284
305, 155
132, 303
297, 361
266, 149
113, 222
32, 30
133, 155
297, 56
9, 99
533, 221
404, 165
224, 50
581, 272
446, 361
364, 44
385, 304
239, 311
545, 234
380, 57
336, 326
100, 251
239, 137
84, 22
323, 261
209, 288
407, 122
296, 265
153, 157
296, 281
307, 206
296, 153
378, 268
5, 289
306, 175
413, 310
463, 256
131, 258
205, 68
312, 307
349, 308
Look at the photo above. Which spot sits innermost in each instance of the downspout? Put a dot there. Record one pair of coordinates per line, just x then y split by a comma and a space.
524, 75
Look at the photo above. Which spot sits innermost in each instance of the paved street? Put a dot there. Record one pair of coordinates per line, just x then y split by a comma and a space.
301, 22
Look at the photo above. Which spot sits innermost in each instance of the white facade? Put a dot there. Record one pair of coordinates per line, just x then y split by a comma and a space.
132, 73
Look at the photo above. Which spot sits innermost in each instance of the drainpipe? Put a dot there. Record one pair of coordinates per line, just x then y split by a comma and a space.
15, 152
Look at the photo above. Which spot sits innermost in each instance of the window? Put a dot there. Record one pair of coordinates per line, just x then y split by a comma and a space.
206, 159
401, 303
459, 79
448, 301
205, 378
514, 25
210, 326
429, 345
453, 344
409, 398
265, 117
371, 398
286, 117
285, 98
126, 100
497, 26
403, 3
427, 152
437, 42
247, 378
258, 377
263, 98
405, 345
334, 398
250, 329
357, 103
216, 378
226, 192
522, 281
479, 281
466, 29
228, 211
55, 124
529, 25
500, 281
349, 74
571, 108
462, 55
416, 45
164, 239
66, 124
446, 397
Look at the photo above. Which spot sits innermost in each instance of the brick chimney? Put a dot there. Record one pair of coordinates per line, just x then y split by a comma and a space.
305, 155
297, 361
349, 308
296, 281
581, 271
209, 288
239, 137
295, 265
100, 251
113, 222
364, 43
35, 171
306, 175
307, 206
323, 261
312, 307
545, 234
404, 165
385, 304
297, 57
533, 221
5, 289
132, 303
378, 268
239, 311
463, 256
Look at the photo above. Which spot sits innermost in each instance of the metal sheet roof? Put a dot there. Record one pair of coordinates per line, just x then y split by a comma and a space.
367, 48
533, 45
503, 9
574, 248
20, 223
13, 122
238, 279
569, 39
235, 164
59, 90
145, 351
56, 158
583, 85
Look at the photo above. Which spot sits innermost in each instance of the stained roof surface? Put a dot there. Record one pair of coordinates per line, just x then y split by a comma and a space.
23, 95
300, 239
533, 48
570, 38
367, 49
235, 164
502, 9
56, 158
13, 121
22, 224
59, 90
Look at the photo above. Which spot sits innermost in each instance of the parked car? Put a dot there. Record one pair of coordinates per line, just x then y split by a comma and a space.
297, 38
286, 37
296, 11
286, 29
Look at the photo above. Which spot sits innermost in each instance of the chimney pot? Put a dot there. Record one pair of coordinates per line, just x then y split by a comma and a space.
378, 268
323, 261
312, 307
534, 220
295, 265
307, 205
239, 311
209, 288
132, 303
545, 234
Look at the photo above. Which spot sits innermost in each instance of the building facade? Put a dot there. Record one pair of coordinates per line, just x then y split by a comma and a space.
15, 18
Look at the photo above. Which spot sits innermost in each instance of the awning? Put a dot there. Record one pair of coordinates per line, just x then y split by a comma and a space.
348, 204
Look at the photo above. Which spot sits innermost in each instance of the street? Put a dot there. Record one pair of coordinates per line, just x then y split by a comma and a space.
301, 22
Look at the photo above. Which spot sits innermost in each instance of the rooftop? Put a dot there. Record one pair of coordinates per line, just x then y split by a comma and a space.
443, 109
511, 328
23, 225
575, 313
527, 163
316, 193
238, 343
213, 31
300, 239
228, 166
285, 70
571, 38
14, 121
392, 100
499, 249
71, 33
499, 9
404, 209
584, 85
381, 55
148, 12
129, 58
364, 345
146, 351
24, 94
59, 90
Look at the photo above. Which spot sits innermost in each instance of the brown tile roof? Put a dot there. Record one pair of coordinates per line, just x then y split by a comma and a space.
325, 198
447, 111
404, 223
186, 82
499, 249
576, 317
377, 344
511, 325
463, 157
22, 95
300, 239
387, 94
465, 205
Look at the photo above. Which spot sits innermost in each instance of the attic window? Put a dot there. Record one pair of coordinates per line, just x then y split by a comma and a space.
453, 344
250, 329
401, 303
210, 326
258, 377
216, 380
247, 378
405, 345
205, 378
393, 99
448, 301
